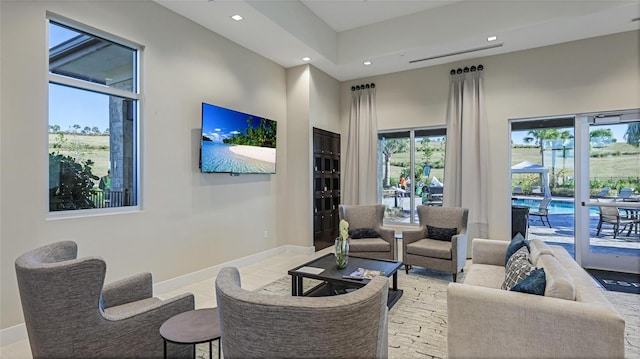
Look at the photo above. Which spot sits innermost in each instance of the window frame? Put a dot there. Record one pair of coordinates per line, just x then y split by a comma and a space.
137, 96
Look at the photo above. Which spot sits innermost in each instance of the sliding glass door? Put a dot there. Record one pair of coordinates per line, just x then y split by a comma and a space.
607, 189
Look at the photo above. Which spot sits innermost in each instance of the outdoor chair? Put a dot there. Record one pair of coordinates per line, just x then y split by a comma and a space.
542, 211
440, 243
603, 192
367, 237
612, 216
69, 314
536, 190
517, 190
259, 325
625, 193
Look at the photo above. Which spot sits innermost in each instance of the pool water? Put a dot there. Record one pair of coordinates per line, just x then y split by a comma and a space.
555, 206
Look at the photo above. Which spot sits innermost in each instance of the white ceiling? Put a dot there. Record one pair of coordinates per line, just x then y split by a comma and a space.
340, 35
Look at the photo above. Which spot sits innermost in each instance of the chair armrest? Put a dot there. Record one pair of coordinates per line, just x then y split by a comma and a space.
412, 235
459, 248
489, 251
128, 290
164, 308
387, 234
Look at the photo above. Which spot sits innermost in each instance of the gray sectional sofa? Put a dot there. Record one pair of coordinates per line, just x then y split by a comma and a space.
572, 319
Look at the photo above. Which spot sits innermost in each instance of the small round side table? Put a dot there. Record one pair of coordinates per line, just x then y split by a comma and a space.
192, 327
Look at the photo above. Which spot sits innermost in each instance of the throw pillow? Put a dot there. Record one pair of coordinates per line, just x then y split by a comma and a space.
533, 284
358, 233
516, 243
518, 268
441, 234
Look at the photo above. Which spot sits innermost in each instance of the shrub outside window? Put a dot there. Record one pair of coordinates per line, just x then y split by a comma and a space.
93, 120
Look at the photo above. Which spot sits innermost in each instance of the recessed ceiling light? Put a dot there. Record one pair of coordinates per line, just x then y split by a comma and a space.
237, 17
306, 59
492, 38
367, 63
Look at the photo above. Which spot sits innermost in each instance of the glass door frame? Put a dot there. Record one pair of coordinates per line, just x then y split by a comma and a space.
584, 256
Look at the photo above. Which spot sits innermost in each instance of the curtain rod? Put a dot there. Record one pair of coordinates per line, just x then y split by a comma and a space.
466, 69
363, 86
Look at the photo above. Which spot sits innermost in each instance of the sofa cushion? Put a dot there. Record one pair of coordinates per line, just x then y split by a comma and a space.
537, 248
516, 243
430, 248
440, 234
358, 233
484, 275
518, 268
369, 245
559, 281
534, 284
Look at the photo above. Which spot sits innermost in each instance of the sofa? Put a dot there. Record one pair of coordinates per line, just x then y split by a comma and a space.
572, 319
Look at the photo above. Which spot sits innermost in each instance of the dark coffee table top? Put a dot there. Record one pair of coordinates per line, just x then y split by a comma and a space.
332, 273
192, 327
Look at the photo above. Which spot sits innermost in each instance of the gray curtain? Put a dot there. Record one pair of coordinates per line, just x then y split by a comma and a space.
360, 177
467, 161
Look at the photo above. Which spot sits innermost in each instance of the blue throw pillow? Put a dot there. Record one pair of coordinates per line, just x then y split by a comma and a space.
363, 233
533, 284
516, 243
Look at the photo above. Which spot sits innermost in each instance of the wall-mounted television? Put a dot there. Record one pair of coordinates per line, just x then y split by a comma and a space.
236, 142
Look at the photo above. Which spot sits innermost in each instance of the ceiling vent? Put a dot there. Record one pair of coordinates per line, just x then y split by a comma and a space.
459, 52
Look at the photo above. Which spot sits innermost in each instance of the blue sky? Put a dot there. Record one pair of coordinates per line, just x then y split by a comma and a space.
219, 123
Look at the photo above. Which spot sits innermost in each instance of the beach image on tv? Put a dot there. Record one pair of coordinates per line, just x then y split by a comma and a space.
237, 142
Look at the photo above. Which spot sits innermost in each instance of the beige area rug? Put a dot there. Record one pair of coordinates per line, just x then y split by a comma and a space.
418, 321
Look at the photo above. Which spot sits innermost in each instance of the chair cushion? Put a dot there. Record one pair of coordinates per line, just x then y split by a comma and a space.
430, 248
518, 268
533, 284
369, 245
441, 234
358, 233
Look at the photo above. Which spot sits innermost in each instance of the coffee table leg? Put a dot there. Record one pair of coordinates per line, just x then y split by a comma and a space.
219, 345
211, 349
165, 349
294, 289
300, 288
395, 281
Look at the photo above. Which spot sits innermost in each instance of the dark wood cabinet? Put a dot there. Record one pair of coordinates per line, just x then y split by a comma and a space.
326, 187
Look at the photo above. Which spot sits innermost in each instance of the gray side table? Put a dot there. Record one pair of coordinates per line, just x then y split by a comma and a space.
192, 327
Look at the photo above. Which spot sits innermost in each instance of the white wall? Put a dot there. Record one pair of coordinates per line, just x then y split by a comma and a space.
189, 220
596, 74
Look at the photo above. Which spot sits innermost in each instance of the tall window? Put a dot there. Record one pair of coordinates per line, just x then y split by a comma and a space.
93, 112
410, 171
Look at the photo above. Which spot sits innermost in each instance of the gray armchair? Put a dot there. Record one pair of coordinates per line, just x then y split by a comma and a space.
369, 216
67, 317
256, 325
420, 249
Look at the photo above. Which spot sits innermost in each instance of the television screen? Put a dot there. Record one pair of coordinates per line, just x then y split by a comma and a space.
236, 142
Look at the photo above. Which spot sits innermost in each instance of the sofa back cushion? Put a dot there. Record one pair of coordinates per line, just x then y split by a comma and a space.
559, 282
537, 248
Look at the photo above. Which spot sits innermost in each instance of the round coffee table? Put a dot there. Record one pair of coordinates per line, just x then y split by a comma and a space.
192, 327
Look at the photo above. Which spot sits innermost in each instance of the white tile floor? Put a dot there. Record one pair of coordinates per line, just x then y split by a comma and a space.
253, 276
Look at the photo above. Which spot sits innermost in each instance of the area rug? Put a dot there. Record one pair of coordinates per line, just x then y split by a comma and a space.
418, 321
616, 281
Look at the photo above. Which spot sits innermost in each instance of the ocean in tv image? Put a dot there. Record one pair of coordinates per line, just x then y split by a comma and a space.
236, 142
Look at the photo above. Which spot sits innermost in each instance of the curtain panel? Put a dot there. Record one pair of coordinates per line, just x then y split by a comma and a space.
361, 175
467, 161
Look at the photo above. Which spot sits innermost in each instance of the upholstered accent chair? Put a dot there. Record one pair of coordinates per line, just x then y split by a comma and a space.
441, 241
363, 217
258, 325
63, 299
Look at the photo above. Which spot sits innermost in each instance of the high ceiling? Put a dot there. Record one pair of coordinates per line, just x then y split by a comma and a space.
339, 36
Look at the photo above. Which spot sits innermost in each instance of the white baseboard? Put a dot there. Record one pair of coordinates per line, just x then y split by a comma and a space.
19, 332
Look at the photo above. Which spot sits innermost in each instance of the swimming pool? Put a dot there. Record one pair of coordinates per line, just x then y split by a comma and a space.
555, 206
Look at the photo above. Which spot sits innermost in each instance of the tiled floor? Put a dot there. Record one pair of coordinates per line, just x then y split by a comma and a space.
252, 276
